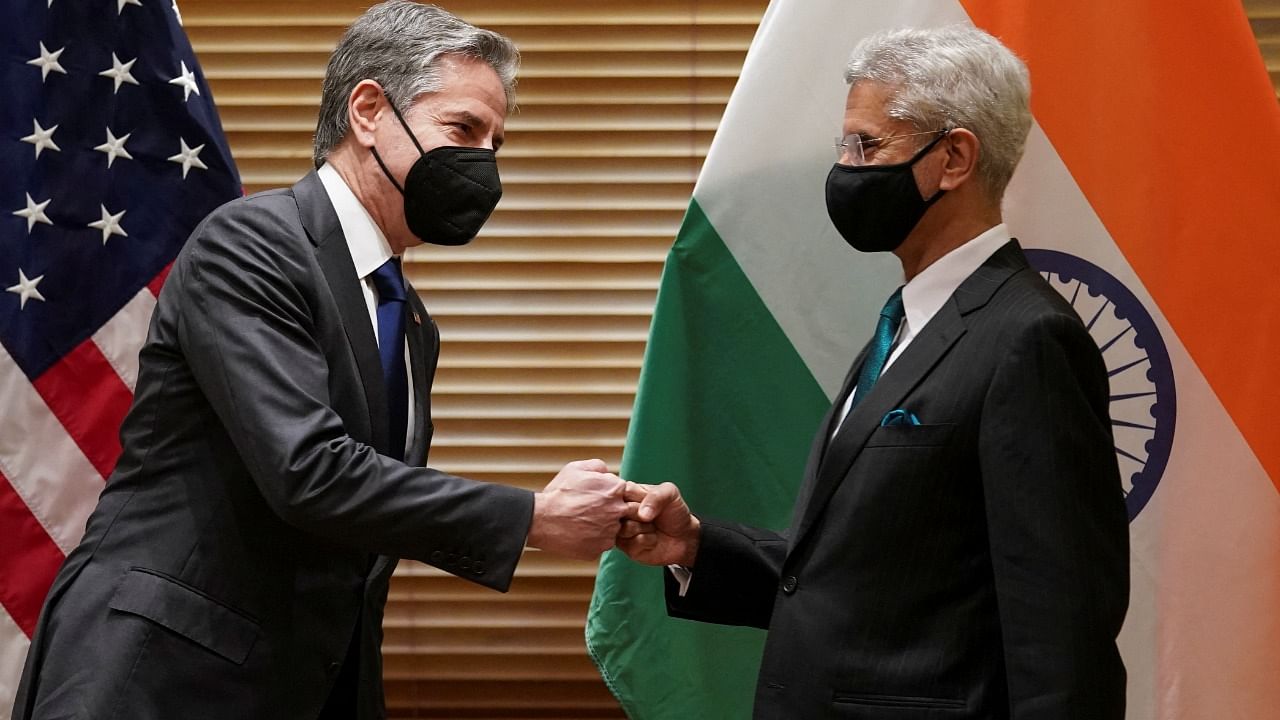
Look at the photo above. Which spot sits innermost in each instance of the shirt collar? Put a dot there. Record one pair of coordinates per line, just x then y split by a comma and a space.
368, 246
926, 293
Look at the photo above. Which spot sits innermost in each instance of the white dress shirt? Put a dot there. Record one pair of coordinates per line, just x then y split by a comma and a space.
369, 250
927, 292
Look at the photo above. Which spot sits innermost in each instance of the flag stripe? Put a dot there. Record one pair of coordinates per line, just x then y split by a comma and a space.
1181, 190
90, 400
157, 282
117, 339
42, 462
13, 651
774, 219
712, 337
28, 560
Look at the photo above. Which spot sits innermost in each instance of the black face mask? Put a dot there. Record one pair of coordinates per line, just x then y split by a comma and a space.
449, 192
875, 207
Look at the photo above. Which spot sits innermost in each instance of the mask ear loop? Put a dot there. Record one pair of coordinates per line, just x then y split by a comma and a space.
404, 124
932, 144
385, 171
925, 151
412, 137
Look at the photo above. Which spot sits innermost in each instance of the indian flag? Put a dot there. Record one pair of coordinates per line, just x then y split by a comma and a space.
1149, 196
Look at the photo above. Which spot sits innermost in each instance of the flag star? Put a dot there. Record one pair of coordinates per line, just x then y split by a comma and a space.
120, 72
109, 224
176, 11
187, 80
48, 62
189, 157
34, 213
42, 138
26, 289
114, 147
121, 3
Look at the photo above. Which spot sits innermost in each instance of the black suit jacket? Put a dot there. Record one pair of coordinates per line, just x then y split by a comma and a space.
972, 566
245, 541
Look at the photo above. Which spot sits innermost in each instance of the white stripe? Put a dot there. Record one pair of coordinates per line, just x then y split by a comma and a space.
121, 337
762, 183
13, 651
42, 462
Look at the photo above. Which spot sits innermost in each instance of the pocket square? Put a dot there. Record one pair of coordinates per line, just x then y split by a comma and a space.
899, 417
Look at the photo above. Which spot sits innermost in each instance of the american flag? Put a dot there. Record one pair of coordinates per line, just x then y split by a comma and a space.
111, 152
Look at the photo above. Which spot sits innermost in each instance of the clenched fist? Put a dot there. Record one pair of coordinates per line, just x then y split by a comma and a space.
659, 529
578, 513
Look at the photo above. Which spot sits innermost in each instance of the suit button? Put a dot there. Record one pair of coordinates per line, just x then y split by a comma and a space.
477, 567
332, 668
465, 563
789, 585
436, 555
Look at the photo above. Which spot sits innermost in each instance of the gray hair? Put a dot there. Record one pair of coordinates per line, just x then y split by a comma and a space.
400, 44
952, 77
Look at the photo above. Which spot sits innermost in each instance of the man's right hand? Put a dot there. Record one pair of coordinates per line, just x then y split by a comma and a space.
659, 529
577, 515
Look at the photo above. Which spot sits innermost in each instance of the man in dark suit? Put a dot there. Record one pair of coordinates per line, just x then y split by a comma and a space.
237, 563
959, 548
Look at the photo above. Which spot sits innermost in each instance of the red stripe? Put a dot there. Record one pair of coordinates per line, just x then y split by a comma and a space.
90, 400
157, 282
29, 559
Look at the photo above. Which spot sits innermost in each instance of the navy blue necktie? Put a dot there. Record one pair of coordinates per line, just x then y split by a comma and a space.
389, 283
881, 344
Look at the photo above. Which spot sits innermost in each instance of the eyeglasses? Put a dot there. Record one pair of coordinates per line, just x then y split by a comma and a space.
855, 147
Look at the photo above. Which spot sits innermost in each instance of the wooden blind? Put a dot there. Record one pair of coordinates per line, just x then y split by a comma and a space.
543, 317
1264, 17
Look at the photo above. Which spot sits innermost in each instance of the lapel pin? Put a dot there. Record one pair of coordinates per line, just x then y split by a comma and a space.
416, 320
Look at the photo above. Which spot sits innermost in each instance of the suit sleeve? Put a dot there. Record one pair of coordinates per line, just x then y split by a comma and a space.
247, 327
1057, 524
735, 576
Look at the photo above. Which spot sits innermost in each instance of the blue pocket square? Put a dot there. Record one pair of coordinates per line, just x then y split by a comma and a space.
899, 417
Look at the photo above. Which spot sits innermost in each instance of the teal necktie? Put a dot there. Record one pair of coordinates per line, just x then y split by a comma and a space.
881, 344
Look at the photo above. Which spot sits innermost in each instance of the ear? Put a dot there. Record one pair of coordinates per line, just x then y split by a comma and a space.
962, 148
365, 106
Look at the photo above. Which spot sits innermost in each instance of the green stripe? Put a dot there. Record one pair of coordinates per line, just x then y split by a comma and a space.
726, 409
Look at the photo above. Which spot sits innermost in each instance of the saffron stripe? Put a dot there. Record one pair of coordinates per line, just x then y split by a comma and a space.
1184, 218
90, 400
28, 560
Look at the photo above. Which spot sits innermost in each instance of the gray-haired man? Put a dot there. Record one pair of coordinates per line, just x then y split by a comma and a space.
238, 560
960, 547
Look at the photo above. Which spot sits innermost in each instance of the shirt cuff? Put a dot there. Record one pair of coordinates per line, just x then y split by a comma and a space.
683, 576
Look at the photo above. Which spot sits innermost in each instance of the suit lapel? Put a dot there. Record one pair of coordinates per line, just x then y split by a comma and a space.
321, 223
928, 347
424, 344
908, 371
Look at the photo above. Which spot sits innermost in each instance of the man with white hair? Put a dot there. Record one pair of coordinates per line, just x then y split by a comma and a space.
237, 564
959, 548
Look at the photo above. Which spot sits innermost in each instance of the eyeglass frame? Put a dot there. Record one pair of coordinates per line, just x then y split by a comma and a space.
843, 147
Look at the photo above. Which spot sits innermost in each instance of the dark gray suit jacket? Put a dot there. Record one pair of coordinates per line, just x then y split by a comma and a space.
972, 566
245, 540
